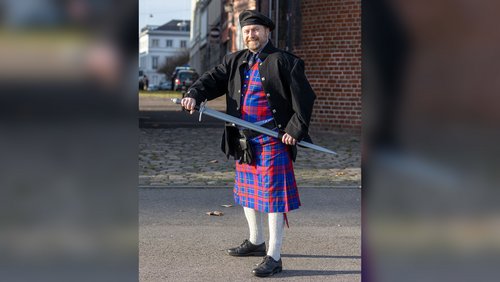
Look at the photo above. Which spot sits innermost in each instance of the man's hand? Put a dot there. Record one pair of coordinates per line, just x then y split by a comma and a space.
288, 139
188, 104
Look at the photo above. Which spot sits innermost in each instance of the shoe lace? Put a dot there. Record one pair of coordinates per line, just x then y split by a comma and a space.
264, 260
245, 243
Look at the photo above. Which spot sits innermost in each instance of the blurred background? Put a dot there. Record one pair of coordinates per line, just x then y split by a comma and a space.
68, 141
430, 125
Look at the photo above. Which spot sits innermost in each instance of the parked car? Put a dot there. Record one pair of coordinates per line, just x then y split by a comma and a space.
184, 79
166, 85
177, 70
153, 87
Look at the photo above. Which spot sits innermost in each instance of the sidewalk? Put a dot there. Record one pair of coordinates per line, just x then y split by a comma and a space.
187, 157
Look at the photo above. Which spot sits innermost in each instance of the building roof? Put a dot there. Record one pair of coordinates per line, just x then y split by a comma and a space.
176, 25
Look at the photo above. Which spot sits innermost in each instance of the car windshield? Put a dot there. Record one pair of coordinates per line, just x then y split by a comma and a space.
186, 75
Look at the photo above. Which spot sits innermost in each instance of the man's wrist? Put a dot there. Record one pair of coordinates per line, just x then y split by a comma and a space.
191, 93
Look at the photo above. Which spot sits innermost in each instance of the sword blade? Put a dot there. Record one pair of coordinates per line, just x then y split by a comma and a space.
260, 129
240, 122
316, 147
243, 123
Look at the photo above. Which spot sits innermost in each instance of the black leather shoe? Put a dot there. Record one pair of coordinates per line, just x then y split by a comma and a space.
268, 267
248, 249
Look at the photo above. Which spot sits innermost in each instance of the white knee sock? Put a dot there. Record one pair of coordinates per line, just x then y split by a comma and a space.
276, 220
254, 219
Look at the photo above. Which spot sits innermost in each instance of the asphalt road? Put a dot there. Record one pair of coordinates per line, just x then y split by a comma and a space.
160, 112
175, 119
179, 242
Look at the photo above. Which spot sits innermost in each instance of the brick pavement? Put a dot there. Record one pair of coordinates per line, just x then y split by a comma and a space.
192, 157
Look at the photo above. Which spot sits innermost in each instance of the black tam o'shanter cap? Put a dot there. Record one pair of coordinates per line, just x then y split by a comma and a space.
249, 17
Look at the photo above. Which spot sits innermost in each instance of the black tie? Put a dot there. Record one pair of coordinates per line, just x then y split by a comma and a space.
253, 59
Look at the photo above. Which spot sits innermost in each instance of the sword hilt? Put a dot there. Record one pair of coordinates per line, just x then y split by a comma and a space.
178, 102
280, 135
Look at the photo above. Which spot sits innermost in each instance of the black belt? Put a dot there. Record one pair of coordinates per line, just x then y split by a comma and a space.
249, 134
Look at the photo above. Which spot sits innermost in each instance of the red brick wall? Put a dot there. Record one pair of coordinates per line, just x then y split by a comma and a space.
331, 48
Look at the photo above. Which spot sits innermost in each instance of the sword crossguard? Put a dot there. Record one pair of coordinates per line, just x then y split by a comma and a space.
201, 109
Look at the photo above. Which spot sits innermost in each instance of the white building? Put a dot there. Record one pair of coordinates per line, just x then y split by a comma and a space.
158, 44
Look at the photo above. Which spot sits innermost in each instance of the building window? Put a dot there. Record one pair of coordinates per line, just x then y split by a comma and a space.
142, 62
169, 43
155, 43
183, 44
155, 62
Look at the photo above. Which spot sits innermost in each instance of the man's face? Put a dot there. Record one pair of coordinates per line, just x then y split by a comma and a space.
255, 36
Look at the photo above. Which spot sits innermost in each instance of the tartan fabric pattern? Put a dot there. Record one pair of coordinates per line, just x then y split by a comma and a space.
268, 184
254, 106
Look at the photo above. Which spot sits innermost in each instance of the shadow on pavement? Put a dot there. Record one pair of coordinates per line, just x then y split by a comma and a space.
319, 256
291, 273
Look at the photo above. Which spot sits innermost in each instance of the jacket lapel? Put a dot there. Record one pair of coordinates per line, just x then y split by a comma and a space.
268, 49
242, 64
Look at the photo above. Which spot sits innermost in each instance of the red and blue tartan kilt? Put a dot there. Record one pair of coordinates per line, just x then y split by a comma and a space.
268, 184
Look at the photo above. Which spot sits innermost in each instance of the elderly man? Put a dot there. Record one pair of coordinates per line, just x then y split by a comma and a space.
266, 86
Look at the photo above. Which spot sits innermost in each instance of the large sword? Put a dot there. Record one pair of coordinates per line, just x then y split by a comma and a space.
203, 109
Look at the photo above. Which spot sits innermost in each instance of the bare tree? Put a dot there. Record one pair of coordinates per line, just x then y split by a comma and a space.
169, 67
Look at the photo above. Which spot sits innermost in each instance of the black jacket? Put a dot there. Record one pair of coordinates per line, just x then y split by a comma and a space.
288, 91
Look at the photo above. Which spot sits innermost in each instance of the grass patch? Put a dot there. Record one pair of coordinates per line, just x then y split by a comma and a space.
162, 94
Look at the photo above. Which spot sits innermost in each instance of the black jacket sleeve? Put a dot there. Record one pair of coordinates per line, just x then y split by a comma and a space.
211, 84
302, 98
